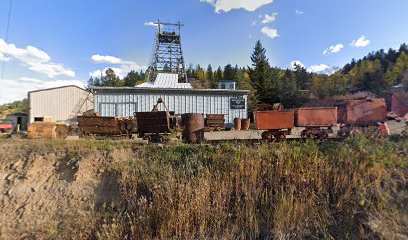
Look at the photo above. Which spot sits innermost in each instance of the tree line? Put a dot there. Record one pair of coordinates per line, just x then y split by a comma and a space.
291, 87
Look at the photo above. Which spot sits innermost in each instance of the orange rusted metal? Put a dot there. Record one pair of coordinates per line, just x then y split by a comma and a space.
316, 117
274, 120
365, 111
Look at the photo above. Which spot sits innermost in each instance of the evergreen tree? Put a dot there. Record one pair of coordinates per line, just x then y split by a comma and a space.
260, 75
210, 73
132, 79
228, 72
110, 79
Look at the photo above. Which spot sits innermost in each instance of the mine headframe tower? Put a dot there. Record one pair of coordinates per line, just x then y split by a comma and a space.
167, 56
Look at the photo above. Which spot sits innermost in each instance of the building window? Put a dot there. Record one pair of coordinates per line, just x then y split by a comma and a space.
222, 86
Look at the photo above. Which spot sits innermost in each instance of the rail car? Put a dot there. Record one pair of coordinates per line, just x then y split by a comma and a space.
353, 116
318, 122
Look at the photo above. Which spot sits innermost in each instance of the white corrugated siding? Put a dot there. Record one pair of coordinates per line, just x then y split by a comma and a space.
59, 103
125, 103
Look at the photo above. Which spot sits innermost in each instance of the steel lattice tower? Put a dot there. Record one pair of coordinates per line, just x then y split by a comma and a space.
167, 56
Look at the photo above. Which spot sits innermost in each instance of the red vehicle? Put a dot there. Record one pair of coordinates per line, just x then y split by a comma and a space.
6, 126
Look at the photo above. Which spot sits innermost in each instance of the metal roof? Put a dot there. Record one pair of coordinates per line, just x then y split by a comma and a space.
165, 80
159, 90
47, 89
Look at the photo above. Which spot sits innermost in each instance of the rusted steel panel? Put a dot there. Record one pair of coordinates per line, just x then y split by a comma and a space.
274, 120
365, 111
316, 117
153, 122
399, 104
99, 125
193, 124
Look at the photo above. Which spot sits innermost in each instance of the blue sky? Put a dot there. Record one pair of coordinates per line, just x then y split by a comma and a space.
53, 43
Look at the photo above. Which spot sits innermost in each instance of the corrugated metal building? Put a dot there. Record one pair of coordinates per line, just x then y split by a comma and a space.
127, 100
63, 104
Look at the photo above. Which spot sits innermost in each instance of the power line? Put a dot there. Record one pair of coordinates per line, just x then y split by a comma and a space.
6, 39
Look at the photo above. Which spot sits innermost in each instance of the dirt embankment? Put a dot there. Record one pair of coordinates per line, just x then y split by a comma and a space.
47, 190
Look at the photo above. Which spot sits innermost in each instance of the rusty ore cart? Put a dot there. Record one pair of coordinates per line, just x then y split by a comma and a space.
153, 126
361, 115
317, 121
277, 124
106, 126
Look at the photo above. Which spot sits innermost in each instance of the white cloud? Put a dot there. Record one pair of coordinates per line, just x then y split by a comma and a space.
121, 67
228, 5
296, 62
269, 18
270, 32
17, 89
51, 69
250, 36
150, 24
299, 12
333, 49
36, 59
253, 23
3, 58
105, 59
361, 42
318, 68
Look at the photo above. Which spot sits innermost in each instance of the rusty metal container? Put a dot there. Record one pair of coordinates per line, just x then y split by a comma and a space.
237, 124
215, 120
316, 117
193, 124
274, 120
245, 122
153, 122
365, 111
95, 125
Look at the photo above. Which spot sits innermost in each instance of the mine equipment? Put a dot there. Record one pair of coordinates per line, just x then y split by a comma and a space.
277, 124
317, 121
193, 127
364, 115
214, 122
167, 56
154, 126
106, 126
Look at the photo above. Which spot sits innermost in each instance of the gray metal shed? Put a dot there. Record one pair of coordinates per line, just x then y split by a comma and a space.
63, 104
124, 101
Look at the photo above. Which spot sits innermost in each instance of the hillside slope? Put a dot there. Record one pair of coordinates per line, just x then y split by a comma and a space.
115, 190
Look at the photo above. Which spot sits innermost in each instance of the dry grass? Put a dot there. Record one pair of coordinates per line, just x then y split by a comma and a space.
357, 189
271, 191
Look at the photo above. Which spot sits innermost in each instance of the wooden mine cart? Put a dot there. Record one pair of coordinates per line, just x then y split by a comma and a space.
361, 115
317, 121
277, 124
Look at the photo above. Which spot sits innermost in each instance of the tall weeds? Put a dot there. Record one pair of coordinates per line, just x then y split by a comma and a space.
271, 191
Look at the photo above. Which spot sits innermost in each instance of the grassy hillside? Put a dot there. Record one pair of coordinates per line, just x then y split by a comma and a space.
116, 190
14, 107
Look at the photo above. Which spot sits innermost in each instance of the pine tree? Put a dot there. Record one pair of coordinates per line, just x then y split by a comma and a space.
210, 73
260, 75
